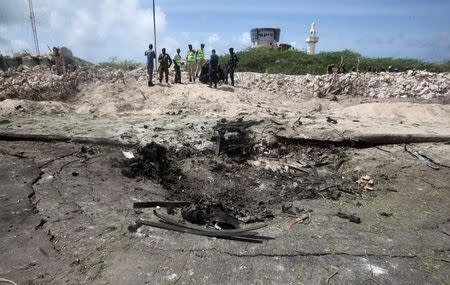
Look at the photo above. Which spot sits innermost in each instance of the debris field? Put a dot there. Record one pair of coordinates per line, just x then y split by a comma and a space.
333, 179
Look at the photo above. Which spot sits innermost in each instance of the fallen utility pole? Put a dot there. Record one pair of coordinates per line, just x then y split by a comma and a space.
366, 140
64, 138
163, 204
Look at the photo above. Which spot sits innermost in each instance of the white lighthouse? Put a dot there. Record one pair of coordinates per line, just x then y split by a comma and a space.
312, 39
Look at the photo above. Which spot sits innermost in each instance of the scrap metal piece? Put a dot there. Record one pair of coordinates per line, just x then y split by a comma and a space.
331, 120
173, 221
423, 158
219, 143
162, 204
351, 217
217, 234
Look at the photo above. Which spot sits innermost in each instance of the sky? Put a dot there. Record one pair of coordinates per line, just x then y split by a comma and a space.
98, 30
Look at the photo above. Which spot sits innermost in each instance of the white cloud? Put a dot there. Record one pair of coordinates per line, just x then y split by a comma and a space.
195, 44
21, 45
170, 44
245, 39
13, 12
94, 30
213, 38
7, 44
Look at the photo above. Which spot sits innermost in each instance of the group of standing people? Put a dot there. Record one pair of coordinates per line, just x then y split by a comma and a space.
195, 61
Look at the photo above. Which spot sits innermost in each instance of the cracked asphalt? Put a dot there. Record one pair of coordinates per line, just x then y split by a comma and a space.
65, 212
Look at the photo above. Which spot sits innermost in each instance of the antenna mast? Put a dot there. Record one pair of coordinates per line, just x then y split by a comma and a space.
154, 32
33, 27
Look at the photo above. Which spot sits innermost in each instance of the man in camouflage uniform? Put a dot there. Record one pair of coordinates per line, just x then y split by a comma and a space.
59, 61
164, 63
232, 64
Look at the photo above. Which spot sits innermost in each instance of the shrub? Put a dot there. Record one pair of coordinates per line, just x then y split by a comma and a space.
298, 62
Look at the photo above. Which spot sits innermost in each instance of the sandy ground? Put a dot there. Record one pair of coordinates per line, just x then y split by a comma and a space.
64, 214
117, 102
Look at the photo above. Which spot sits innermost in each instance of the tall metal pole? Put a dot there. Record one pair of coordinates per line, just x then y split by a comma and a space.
33, 27
154, 33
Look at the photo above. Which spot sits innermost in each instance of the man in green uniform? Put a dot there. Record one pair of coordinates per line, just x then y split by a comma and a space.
177, 66
200, 59
164, 63
190, 62
232, 64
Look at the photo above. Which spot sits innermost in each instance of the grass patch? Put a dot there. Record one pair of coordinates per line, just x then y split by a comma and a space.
114, 63
293, 62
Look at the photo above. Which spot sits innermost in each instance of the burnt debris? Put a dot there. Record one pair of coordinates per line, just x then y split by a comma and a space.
151, 162
234, 138
247, 183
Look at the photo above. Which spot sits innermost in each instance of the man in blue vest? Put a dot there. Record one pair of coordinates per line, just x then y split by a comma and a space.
200, 59
151, 57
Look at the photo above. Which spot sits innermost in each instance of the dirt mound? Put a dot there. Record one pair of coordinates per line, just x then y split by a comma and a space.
40, 84
400, 111
10, 107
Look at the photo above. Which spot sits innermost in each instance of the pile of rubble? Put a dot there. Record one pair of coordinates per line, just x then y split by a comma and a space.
140, 74
39, 83
410, 84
